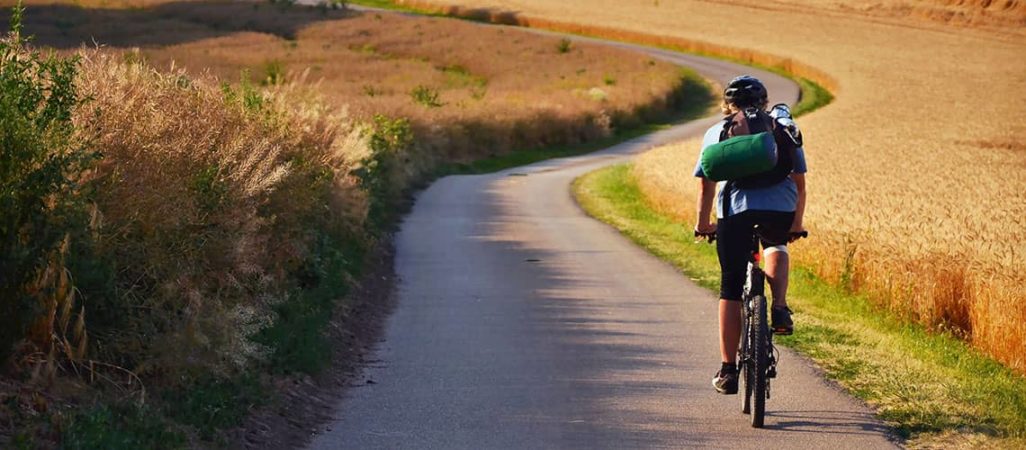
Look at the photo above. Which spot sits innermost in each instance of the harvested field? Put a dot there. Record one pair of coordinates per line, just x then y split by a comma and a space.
467, 90
917, 186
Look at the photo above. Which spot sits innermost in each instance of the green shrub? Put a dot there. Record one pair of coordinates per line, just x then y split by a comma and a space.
274, 73
41, 161
378, 172
564, 45
426, 96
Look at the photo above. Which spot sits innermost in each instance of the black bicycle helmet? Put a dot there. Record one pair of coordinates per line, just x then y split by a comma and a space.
745, 90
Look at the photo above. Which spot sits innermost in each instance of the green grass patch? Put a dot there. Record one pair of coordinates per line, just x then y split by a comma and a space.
299, 336
392, 6
119, 426
458, 76
698, 99
813, 97
214, 404
933, 389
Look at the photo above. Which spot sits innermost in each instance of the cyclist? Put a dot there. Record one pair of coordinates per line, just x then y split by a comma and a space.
777, 210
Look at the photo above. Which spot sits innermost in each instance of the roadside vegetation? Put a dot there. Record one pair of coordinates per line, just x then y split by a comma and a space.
191, 221
463, 88
181, 235
932, 388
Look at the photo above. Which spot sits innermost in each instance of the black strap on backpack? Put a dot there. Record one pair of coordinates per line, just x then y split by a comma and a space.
729, 185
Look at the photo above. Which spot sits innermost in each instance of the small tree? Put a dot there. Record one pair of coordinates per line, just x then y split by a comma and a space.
40, 162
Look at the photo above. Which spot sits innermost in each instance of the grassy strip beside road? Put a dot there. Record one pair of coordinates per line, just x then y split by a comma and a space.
932, 388
813, 96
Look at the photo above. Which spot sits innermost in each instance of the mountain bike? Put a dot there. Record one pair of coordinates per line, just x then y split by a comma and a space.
757, 358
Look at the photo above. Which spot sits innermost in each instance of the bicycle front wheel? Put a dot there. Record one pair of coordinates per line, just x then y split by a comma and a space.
758, 335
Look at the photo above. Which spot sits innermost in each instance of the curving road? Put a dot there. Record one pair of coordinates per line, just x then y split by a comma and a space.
523, 323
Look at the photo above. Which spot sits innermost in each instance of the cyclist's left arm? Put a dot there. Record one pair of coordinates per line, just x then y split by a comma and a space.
798, 176
799, 211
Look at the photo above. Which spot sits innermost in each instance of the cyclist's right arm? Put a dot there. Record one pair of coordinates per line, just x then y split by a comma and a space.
706, 194
707, 187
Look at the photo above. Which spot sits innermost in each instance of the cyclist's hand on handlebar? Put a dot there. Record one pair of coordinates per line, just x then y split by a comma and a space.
797, 232
707, 231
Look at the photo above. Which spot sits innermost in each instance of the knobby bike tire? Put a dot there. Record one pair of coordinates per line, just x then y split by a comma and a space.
759, 335
744, 367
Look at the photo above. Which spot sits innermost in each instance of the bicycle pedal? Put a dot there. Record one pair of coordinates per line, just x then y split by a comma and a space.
771, 372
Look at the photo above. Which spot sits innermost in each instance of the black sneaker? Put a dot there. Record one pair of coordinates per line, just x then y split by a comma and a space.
725, 380
781, 321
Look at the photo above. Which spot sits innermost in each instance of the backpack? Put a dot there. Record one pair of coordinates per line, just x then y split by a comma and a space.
754, 121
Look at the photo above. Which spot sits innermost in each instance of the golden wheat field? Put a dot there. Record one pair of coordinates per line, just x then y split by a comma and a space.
917, 170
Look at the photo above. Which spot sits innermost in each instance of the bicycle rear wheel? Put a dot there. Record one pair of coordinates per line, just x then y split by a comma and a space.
757, 357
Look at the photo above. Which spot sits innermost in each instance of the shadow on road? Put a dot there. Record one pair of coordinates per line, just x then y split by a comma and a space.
830, 422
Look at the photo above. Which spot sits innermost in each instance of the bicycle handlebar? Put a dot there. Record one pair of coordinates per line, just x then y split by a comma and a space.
711, 237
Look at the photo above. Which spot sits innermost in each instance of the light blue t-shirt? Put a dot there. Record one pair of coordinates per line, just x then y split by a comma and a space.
782, 196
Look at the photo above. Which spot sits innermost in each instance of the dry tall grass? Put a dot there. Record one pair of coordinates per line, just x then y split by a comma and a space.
210, 207
916, 168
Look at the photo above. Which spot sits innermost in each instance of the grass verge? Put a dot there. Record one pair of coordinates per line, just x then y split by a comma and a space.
933, 389
813, 96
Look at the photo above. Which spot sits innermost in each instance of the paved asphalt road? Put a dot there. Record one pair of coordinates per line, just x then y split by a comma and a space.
522, 323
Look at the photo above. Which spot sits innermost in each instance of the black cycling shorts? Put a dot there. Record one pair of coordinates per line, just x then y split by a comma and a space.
734, 243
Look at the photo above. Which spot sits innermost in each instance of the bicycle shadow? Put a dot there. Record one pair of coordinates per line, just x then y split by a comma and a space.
828, 422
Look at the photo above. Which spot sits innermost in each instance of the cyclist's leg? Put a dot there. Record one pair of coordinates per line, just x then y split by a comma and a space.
774, 231
777, 271
733, 242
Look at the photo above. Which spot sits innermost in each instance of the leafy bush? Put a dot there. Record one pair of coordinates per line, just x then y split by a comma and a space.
379, 172
426, 96
41, 163
564, 45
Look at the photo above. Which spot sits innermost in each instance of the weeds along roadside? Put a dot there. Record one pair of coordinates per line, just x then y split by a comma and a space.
213, 232
933, 389
210, 217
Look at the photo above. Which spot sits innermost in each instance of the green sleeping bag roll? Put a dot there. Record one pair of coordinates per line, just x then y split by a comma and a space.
740, 156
